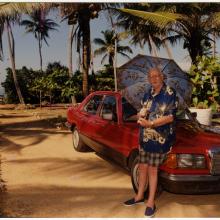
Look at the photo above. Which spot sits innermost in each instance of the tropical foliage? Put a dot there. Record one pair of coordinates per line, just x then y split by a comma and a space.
205, 91
54, 83
9, 13
107, 46
194, 23
40, 26
25, 78
80, 14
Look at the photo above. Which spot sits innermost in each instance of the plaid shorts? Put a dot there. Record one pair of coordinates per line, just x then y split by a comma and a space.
153, 159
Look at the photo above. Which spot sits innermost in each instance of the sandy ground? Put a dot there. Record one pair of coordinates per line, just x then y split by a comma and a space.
46, 178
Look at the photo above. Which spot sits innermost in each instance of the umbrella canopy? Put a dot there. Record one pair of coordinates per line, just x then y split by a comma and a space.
133, 83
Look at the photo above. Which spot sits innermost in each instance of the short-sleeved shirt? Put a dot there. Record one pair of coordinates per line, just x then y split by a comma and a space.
158, 139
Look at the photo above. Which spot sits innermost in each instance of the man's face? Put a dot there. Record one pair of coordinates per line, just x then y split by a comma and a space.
155, 78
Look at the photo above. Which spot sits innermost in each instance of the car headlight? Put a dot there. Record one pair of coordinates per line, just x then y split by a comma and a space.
196, 161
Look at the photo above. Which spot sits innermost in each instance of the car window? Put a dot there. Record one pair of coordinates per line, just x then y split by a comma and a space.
127, 110
92, 105
109, 109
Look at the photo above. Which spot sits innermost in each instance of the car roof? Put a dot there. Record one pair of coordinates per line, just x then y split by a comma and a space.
105, 93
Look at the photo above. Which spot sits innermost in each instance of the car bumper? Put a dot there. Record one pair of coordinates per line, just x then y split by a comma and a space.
190, 184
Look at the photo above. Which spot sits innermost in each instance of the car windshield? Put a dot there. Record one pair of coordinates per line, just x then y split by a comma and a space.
185, 117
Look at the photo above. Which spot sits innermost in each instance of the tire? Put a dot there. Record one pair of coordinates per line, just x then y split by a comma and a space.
78, 144
134, 179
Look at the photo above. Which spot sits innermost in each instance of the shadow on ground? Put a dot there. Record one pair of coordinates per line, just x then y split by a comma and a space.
83, 202
61, 201
4, 116
74, 168
37, 130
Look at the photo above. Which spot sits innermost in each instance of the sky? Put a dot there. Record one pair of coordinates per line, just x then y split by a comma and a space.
26, 48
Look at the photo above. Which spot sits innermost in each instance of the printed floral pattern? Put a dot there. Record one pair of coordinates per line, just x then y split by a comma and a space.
161, 138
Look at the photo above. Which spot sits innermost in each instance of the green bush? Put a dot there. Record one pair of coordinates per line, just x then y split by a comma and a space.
54, 84
205, 91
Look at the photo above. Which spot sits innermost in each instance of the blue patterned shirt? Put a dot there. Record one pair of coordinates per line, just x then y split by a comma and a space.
158, 139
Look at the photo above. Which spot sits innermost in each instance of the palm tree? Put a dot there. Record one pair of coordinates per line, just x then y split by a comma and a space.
80, 14
192, 22
40, 26
9, 13
107, 46
11, 46
70, 48
139, 32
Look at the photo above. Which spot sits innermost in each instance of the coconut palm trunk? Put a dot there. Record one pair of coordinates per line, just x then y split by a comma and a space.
70, 50
214, 44
70, 53
85, 25
40, 52
12, 59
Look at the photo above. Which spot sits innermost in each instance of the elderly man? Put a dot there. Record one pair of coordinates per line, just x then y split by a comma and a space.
157, 135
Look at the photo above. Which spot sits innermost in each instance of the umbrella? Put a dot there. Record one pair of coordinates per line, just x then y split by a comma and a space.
132, 80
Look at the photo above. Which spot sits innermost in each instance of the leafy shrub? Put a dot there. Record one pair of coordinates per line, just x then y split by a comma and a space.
205, 91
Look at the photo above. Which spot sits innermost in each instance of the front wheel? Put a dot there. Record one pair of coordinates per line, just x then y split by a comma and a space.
134, 179
78, 144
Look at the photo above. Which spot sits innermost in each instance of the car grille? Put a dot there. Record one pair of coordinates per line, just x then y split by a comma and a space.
215, 161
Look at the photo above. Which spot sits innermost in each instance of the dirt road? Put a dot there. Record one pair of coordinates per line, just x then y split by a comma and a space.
47, 178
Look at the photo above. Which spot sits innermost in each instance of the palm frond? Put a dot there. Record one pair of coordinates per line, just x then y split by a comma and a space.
216, 18
11, 9
100, 51
159, 18
123, 35
99, 41
103, 58
173, 39
124, 49
124, 55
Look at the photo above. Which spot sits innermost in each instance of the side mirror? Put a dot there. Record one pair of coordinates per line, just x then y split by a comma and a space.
108, 116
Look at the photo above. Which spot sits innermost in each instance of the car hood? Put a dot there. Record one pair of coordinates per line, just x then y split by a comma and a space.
190, 135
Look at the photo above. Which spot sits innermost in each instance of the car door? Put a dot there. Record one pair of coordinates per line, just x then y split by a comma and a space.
107, 127
87, 115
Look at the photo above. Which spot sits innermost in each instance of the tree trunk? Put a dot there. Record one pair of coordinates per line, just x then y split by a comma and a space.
85, 26
40, 53
193, 54
92, 63
70, 50
70, 53
12, 58
111, 59
214, 44
194, 48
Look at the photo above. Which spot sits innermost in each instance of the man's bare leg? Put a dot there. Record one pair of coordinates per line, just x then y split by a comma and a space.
153, 178
142, 181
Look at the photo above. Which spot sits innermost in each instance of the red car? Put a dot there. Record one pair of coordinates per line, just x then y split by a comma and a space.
106, 123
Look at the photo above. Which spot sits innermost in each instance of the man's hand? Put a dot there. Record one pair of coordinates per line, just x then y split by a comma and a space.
144, 123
